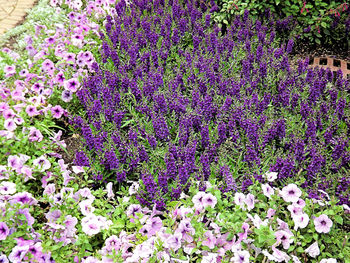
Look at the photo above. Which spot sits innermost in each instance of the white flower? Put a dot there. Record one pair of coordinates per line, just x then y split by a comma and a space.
241, 256
267, 190
86, 207
300, 221
239, 199
290, 193
133, 188
110, 193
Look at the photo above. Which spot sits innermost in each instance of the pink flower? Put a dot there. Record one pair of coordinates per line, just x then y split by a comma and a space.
174, 241
9, 71
90, 225
301, 221
284, 238
291, 193
241, 256
198, 200
323, 224
294, 210
8, 114
31, 111
42, 163
66, 96
155, 224
48, 66
250, 201
270, 213
35, 135
14, 162
313, 250
7, 188
280, 255
210, 240
110, 193
57, 111
239, 199
209, 200
267, 190
72, 84
10, 125
4, 231
328, 260
301, 203
86, 207
271, 176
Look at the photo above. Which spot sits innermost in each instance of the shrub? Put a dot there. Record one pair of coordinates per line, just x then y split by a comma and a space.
316, 22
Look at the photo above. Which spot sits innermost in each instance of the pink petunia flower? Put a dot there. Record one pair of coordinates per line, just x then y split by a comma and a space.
323, 224
301, 221
57, 111
4, 231
271, 176
72, 84
239, 199
7, 188
250, 201
9, 71
209, 200
174, 241
210, 240
313, 250
42, 163
198, 200
66, 96
291, 193
32, 111
35, 135
90, 225
283, 238
241, 256
10, 125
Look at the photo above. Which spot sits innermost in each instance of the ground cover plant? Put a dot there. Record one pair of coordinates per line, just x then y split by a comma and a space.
226, 210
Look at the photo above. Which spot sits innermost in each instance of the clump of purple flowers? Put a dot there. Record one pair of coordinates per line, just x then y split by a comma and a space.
172, 92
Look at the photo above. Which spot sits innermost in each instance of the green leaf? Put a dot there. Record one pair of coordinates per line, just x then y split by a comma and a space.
318, 41
338, 219
323, 24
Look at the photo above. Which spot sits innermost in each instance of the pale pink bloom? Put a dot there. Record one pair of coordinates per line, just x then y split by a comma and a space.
301, 203
19, 121
91, 260
9, 71
133, 188
66, 96
329, 260
267, 190
270, 213
250, 201
198, 200
42, 163
257, 220
86, 207
271, 176
27, 172
7, 188
174, 241
239, 199
35, 135
10, 125
48, 66
301, 221
14, 162
90, 225
8, 114
210, 258
295, 210
323, 224
279, 255
284, 238
70, 57
18, 252
110, 193
209, 200
49, 189
209, 240
295, 259
313, 250
155, 224
241, 256
78, 169
291, 193
244, 235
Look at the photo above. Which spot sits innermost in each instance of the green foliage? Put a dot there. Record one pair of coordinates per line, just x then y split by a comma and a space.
316, 21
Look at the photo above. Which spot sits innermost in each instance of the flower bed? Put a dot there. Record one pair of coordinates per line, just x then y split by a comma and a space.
229, 95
